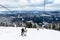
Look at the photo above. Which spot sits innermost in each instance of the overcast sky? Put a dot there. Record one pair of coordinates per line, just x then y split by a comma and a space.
30, 5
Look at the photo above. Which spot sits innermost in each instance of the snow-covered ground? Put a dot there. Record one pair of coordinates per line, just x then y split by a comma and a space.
13, 33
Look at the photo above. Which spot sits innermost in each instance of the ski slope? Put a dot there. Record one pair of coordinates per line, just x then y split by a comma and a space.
13, 33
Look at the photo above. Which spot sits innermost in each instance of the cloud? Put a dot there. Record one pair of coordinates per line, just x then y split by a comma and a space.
23, 8
53, 6
48, 1
23, 4
31, 4
56, 1
9, 0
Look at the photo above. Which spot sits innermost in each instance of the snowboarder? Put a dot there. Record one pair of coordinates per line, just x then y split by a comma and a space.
22, 31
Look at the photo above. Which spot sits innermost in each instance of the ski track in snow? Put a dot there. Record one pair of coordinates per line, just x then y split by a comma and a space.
13, 33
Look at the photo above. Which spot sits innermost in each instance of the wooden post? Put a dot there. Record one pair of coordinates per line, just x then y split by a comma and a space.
58, 25
51, 25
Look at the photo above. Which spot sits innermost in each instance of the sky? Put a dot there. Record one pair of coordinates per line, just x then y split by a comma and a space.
50, 5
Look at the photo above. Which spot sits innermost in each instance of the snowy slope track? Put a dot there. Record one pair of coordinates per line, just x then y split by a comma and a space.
13, 33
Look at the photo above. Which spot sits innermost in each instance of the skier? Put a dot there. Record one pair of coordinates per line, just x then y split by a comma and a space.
38, 28
25, 32
22, 31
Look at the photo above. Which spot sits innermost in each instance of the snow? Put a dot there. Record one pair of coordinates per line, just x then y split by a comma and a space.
13, 33
45, 15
